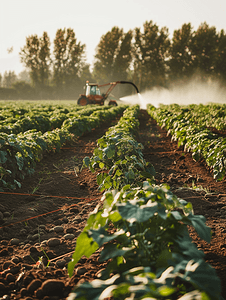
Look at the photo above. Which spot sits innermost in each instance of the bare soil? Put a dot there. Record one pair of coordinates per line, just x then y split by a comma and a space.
45, 216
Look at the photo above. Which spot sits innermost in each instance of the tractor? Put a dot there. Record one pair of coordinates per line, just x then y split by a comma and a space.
93, 96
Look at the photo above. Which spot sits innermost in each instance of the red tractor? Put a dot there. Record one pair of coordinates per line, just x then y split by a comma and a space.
93, 95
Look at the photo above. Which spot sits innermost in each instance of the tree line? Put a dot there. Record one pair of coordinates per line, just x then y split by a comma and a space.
148, 57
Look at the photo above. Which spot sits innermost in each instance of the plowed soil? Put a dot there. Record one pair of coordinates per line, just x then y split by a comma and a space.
41, 221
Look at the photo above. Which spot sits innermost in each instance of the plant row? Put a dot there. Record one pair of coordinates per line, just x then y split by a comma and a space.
191, 132
20, 153
141, 229
212, 115
42, 118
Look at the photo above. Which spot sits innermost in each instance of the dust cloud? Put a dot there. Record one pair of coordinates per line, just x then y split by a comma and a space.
194, 92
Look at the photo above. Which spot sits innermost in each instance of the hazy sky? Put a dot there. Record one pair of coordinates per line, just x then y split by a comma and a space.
90, 19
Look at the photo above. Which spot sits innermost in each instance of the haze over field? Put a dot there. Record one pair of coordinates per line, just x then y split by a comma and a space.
193, 92
91, 19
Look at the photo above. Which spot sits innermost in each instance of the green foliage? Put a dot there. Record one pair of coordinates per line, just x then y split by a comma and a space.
150, 51
150, 236
68, 60
141, 229
189, 125
204, 48
9, 78
36, 57
20, 152
121, 155
180, 62
113, 56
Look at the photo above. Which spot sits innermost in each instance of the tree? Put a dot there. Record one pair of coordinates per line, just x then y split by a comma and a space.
180, 62
0, 80
68, 60
9, 79
151, 48
86, 74
123, 58
24, 76
203, 49
220, 56
113, 56
36, 57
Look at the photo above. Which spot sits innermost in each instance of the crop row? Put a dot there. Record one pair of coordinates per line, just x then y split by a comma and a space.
140, 228
187, 128
15, 109
44, 118
20, 153
209, 115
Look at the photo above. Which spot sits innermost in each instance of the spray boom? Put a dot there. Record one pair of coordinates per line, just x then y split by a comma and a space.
129, 82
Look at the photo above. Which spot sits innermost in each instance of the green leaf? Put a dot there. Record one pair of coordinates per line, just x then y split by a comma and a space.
101, 165
84, 246
100, 178
17, 183
3, 157
166, 290
177, 216
2, 142
109, 151
132, 212
101, 237
86, 161
163, 259
195, 295
130, 175
111, 251
115, 216
188, 209
96, 289
198, 221
203, 276
107, 182
146, 174
20, 162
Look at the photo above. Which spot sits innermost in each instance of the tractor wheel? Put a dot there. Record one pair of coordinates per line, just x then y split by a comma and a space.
113, 103
83, 101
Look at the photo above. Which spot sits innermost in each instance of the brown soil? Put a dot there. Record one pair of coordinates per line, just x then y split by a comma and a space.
59, 195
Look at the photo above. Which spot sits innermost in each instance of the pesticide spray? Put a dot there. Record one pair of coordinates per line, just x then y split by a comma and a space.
135, 99
194, 92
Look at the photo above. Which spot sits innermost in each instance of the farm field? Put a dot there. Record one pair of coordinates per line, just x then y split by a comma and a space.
56, 200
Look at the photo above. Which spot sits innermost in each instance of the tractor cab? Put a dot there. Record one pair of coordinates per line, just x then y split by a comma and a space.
92, 89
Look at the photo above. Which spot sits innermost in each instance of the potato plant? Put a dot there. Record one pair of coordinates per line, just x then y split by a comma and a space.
20, 152
142, 229
186, 126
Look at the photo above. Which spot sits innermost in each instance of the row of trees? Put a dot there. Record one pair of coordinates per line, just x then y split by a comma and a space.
148, 57
9, 78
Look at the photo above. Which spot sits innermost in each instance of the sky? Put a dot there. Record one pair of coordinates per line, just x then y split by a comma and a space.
90, 19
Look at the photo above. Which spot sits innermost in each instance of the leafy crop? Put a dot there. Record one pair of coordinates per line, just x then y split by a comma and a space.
19, 153
44, 118
141, 229
189, 128
121, 155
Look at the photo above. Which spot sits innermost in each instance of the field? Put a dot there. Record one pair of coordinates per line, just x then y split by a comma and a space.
42, 219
